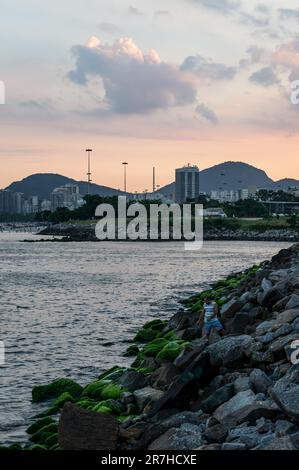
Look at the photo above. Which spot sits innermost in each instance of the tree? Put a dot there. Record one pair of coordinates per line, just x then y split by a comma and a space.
293, 221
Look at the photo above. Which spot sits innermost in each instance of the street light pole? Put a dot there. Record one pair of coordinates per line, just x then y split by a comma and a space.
89, 180
125, 175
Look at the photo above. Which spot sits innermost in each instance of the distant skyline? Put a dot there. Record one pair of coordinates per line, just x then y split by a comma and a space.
158, 83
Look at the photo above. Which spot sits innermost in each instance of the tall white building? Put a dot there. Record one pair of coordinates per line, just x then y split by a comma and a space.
66, 196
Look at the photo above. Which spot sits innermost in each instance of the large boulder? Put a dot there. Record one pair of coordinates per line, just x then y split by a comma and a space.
244, 407
80, 429
288, 316
260, 381
230, 308
164, 376
56, 388
231, 351
286, 393
133, 380
293, 302
146, 395
186, 437
216, 399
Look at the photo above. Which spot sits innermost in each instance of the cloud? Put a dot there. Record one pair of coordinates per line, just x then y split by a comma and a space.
207, 69
286, 56
162, 13
220, 6
207, 113
134, 11
265, 77
134, 82
109, 28
259, 18
288, 14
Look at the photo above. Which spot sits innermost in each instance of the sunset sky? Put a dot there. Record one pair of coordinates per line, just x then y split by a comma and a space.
155, 83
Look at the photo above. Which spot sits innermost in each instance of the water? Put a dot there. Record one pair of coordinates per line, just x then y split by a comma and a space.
69, 309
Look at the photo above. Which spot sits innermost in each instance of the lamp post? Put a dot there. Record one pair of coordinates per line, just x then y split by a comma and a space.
89, 180
125, 175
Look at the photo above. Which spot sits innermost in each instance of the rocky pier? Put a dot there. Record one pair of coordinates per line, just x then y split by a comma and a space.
181, 392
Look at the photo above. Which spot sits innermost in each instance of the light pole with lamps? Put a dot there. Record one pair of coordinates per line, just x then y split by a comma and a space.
89, 180
125, 164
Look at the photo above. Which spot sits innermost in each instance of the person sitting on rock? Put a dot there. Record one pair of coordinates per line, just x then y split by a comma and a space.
209, 315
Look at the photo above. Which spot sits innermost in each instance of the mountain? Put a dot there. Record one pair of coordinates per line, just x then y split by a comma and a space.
228, 175
285, 184
233, 175
42, 184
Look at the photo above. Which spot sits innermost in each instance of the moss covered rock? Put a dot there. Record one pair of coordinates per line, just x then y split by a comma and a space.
112, 390
100, 408
42, 435
38, 447
56, 388
115, 406
62, 399
51, 440
145, 335
171, 351
156, 325
154, 347
112, 374
41, 423
94, 389
132, 350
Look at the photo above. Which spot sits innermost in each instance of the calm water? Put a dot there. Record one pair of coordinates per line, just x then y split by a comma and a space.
68, 309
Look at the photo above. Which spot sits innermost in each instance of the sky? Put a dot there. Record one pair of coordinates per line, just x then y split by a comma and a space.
160, 83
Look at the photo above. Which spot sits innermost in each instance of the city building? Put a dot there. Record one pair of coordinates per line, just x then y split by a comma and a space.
45, 205
217, 212
186, 183
11, 202
231, 195
66, 196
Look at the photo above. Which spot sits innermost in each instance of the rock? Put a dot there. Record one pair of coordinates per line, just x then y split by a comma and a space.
187, 356
210, 447
242, 384
278, 346
258, 358
276, 443
248, 435
264, 327
216, 433
233, 446
230, 308
238, 323
286, 394
231, 351
293, 302
244, 407
271, 296
41, 423
132, 350
182, 320
133, 380
288, 316
260, 381
86, 430
170, 351
164, 376
186, 437
146, 395
221, 395
56, 388
283, 428
266, 284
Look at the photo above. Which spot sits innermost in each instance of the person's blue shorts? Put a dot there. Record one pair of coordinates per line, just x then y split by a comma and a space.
208, 326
